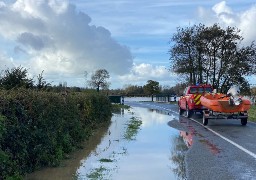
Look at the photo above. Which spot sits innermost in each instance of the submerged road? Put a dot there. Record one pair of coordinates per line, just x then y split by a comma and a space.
222, 150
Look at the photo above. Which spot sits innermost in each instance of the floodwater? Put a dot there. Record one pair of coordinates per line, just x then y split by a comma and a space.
139, 144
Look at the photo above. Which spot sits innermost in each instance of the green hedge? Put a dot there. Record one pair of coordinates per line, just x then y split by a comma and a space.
38, 128
252, 113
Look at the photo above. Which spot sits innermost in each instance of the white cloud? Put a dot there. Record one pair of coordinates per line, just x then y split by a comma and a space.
150, 71
143, 72
221, 8
247, 24
226, 16
56, 38
224, 13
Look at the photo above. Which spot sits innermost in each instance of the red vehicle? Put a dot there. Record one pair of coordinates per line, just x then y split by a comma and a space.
190, 102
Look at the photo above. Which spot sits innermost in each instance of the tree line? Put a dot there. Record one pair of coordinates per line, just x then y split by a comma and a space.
18, 77
150, 88
212, 55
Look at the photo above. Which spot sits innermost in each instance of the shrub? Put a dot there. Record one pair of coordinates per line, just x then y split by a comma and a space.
38, 128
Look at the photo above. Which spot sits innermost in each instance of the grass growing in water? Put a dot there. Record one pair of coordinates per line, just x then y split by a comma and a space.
105, 160
97, 173
133, 127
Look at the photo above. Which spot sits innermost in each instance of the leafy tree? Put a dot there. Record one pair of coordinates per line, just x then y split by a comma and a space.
99, 79
15, 78
152, 87
184, 52
212, 55
41, 83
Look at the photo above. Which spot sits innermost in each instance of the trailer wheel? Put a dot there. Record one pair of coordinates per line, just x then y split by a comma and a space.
205, 120
244, 121
181, 111
188, 112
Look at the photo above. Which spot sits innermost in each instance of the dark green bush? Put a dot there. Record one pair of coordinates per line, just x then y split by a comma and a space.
38, 128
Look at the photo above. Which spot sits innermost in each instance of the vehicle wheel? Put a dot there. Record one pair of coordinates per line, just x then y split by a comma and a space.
181, 111
205, 120
244, 121
188, 112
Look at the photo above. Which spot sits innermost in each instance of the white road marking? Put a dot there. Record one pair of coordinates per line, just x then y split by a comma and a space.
228, 140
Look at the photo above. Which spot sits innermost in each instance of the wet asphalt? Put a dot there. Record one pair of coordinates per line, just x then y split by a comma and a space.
222, 150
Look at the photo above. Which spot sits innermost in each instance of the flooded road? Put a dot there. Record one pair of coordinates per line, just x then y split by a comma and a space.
139, 144
151, 151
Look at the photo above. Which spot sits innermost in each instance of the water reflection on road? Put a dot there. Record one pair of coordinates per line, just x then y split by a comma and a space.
153, 151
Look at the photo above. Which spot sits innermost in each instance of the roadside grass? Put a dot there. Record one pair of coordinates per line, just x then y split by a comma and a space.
252, 113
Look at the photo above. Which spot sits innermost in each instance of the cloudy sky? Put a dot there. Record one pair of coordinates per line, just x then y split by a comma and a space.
129, 38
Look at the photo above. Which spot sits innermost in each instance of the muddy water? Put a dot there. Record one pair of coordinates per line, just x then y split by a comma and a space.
68, 167
139, 144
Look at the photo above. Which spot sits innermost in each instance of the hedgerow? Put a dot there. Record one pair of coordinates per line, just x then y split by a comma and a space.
252, 113
38, 128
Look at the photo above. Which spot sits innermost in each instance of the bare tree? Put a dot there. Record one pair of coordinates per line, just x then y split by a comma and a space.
99, 79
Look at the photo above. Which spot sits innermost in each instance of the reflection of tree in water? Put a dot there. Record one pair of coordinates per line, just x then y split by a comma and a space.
178, 157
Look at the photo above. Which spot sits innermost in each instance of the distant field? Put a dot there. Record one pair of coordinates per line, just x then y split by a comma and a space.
252, 113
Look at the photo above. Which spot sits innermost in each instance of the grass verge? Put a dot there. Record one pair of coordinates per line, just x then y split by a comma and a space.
252, 113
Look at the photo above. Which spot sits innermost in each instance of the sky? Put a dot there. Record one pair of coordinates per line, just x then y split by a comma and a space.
128, 38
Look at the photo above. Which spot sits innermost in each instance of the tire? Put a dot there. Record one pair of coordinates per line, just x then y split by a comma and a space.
189, 113
205, 120
244, 121
181, 111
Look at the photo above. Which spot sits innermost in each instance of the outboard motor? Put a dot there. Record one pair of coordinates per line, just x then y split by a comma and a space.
234, 93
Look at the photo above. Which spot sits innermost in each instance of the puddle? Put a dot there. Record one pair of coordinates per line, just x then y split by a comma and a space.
137, 145
187, 132
178, 157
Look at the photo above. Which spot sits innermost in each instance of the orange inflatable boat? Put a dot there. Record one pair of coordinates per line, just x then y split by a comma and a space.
225, 106
221, 103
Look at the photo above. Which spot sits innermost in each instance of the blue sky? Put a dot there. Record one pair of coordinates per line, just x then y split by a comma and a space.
129, 38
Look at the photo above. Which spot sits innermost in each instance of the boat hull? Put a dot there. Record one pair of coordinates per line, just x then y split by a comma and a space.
220, 103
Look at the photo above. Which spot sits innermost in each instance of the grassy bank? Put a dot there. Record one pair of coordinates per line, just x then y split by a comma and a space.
252, 113
37, 129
